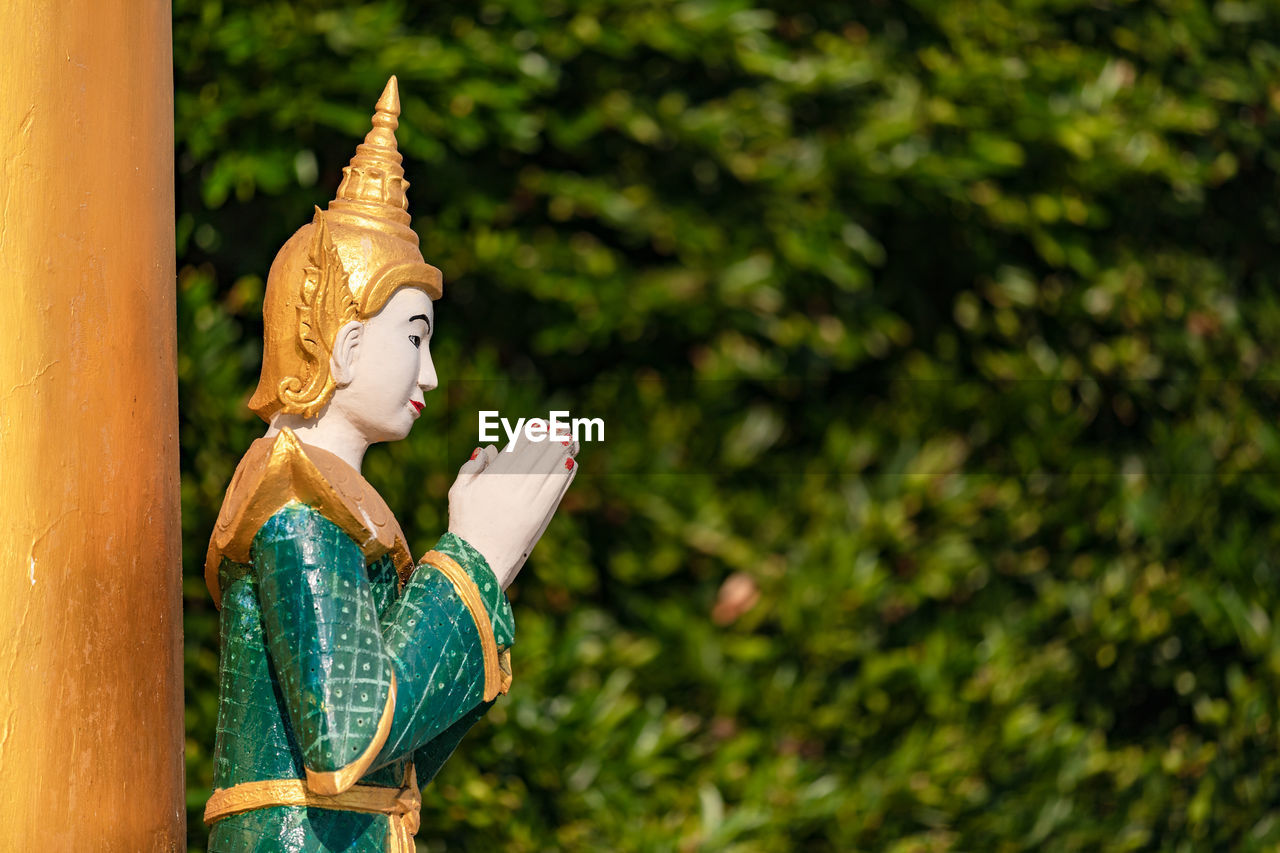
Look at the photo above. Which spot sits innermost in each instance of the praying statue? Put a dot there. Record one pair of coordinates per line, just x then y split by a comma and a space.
350, 671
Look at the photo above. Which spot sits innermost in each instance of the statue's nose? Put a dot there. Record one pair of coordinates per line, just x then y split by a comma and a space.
427, 379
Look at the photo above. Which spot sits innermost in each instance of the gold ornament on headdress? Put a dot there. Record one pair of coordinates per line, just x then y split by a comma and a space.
325, 306
342, 266
373, 185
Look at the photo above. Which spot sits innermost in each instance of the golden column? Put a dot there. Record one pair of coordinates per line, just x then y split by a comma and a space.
91, 743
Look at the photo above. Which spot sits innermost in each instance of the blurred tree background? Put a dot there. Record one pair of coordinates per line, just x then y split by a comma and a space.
937, 346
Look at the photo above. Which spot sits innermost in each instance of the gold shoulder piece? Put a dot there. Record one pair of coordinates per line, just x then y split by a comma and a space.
278, 470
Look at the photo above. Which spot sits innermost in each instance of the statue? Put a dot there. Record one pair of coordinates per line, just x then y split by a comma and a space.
349, 672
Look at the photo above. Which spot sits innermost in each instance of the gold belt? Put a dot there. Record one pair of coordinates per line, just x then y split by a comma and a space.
401, 805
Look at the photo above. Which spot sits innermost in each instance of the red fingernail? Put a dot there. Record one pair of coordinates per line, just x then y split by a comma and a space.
475, 453
568, 463
565, 443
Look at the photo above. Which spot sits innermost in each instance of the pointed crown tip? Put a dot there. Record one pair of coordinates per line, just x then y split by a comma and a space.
374, 180
390, 100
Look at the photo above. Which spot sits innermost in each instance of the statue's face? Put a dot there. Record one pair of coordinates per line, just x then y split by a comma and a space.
390, 368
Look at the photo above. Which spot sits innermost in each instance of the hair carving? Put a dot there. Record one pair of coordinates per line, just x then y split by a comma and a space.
325, 305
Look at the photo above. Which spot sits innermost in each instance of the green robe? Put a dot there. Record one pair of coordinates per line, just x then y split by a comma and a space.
311, 634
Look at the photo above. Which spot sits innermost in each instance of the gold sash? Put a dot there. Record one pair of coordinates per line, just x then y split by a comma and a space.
402, 805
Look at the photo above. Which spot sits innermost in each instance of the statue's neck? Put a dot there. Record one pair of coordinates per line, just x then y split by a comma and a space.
332, 434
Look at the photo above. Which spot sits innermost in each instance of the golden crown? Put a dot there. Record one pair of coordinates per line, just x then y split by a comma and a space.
343, 265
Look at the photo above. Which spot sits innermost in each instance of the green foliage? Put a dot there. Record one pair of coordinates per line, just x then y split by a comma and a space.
945, 327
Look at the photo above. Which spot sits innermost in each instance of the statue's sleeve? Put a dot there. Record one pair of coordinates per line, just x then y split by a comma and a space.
450, 632
431, 757
359, 692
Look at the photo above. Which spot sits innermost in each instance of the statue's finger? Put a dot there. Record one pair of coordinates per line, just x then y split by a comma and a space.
553, 452
475, 464
550, 452
556, 486
527, 456
557, 481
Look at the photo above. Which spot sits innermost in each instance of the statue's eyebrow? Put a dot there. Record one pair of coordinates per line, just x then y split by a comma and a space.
423, 318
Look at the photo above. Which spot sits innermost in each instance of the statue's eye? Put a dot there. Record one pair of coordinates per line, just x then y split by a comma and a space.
416, 341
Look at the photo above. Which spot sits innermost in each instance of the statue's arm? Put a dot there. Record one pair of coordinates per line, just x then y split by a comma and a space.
469, 629
361, 693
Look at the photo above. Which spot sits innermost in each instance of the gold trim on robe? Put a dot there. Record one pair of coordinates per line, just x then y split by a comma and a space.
402, 805
336, 781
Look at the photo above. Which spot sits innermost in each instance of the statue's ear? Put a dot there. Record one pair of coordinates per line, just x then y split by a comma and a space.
345, 346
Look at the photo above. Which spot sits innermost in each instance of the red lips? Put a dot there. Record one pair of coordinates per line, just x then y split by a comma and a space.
417, 407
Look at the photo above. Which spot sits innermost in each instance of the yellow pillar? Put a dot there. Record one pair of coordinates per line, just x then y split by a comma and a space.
90, 564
